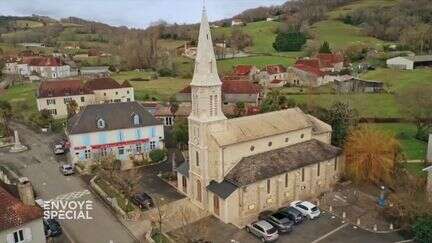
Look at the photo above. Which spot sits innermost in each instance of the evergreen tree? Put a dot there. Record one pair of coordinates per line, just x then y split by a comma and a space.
325, 48
291, 41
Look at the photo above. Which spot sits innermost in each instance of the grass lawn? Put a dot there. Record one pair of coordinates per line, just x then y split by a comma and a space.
263, 34
400, 79
128, 75
416, 169
404, 132
113, 193
22, 97
344, 10
227, 65
341, 35
368, 105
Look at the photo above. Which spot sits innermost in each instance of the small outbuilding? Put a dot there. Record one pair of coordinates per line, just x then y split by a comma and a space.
409, 62
355, 85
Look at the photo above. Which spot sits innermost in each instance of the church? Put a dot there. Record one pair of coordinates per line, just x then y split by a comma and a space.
240, 167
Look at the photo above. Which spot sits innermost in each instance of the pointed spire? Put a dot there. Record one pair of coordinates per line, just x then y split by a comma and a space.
205, 73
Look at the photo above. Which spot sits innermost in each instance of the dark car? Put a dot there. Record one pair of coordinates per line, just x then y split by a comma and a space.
142, 200
293, 214
52, 228
281, 222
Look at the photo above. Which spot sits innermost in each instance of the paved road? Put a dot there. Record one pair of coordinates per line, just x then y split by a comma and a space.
41, 167
323, 230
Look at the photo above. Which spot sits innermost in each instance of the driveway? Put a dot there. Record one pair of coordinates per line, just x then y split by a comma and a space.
326, 229
157, 188
41, 167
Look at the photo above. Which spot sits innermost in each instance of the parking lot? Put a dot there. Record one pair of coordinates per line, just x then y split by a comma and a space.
324, 229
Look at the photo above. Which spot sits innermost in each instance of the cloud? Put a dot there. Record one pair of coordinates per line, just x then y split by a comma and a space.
132, 13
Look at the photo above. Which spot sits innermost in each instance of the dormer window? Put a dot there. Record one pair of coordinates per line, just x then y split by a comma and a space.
136, 119
101, 123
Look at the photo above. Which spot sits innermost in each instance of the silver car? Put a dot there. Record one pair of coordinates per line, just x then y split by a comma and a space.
67, 169
263, 230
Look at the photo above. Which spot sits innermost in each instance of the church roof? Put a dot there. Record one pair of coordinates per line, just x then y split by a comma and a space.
259, 126
205, 73
276, 162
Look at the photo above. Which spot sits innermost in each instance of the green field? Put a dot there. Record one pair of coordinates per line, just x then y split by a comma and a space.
341, 11
341, 35
263, 34
404, 132
227, 65
400, 79
368, 105
22, 98
28, 24
161, 88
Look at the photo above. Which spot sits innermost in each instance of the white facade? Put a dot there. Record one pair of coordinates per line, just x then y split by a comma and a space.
121, 143
31, 232
17, 69
114, 95
52, 72
400, 63
57, 106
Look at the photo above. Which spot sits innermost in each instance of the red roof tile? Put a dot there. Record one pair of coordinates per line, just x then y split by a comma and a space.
312, 62
275, 69
14, 213
105, 83
309, 69
276, 81
233, 87
61, 88
235, 78
242, 70
329, 59
43, 61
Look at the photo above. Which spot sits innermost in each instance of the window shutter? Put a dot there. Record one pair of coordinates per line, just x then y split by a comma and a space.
27, 234
10, 238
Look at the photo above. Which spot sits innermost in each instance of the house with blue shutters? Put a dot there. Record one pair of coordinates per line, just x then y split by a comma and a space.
122, 130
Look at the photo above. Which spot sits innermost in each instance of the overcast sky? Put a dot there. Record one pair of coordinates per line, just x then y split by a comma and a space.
132, 13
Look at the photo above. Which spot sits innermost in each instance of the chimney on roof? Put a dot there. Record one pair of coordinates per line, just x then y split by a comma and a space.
25, 191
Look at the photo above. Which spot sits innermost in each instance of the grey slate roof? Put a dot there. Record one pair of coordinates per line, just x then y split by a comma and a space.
425, 58
183, 169
223, 189
115, 115
276, 162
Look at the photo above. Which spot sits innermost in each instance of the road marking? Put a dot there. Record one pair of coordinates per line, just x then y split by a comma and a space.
329, 233
72, 195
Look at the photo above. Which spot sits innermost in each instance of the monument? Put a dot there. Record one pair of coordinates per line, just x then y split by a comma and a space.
429, 182
17, 147
429, 150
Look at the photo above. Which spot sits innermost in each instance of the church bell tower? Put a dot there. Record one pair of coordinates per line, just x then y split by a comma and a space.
206, 109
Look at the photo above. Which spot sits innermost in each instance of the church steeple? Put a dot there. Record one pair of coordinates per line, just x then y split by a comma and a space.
205, 73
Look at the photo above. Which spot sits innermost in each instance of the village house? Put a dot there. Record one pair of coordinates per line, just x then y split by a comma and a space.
330, 62
237, 22
20, 219
249, 71
304, 75
108, 90
54, 96
47, 67
355, 85
233, 91
165, 112
240, 167
99, 71
122, 130
270, 73
409, 62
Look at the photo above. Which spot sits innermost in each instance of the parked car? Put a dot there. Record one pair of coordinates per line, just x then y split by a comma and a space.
142, 200
293, 214
52, 228
281, 222
308, 209
58, 149
263, 230
67, 169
